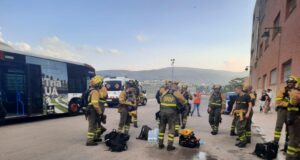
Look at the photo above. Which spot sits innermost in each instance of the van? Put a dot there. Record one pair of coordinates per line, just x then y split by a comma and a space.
114, 85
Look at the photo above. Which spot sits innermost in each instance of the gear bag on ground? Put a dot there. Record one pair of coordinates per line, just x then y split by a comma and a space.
144, 133
267, 150
116, 141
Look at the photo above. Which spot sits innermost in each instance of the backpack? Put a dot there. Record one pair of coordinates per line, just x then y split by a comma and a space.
144, 133
188, 139
116, 141
266, 150
85, 98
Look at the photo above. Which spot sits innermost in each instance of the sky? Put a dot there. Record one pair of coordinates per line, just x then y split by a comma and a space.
133, 34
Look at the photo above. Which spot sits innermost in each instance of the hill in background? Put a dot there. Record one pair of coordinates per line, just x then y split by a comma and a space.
189, 75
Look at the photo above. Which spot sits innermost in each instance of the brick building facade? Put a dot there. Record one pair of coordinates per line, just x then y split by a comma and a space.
277, 54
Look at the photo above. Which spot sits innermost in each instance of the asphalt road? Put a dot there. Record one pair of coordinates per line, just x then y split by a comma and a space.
64, 139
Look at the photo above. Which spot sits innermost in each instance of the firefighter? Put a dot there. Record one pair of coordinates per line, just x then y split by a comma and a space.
94, 111
242, 111
248, 90
162, 90
168, 113
159, 93
188, 96
180, 110
282, 102
137, 95
102, 102
215, 108
293, 121
127, 107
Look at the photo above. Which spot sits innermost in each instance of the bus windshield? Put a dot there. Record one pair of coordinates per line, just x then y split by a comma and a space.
113, 85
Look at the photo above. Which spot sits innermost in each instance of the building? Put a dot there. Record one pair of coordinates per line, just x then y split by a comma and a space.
275, 49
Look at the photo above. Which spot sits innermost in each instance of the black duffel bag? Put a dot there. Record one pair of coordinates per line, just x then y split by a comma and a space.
116, 141
266, 150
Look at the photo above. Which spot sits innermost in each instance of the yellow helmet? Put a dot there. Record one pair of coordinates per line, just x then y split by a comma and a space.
292, 79
186, 132
96, 80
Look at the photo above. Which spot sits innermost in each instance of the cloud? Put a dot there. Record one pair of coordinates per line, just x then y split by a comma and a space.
56, 47
235, 64
141, 37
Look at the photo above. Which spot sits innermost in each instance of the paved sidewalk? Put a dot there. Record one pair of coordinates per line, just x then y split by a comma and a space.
265, 125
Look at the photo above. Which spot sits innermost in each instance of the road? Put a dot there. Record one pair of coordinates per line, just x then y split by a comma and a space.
64, 138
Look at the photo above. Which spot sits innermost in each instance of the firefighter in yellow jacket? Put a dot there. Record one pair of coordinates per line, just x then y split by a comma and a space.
127, 107
293, 121
103, 104
94, 111
188, 96
282, 102
168, 113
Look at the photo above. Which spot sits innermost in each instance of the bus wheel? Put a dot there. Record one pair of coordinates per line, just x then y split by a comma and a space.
73, 108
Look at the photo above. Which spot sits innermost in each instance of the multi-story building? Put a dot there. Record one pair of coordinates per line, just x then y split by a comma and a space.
275, 50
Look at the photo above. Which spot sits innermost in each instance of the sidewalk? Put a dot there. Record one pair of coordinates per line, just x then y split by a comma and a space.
265, 125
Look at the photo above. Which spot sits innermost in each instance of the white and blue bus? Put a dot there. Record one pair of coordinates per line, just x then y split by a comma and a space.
32, 85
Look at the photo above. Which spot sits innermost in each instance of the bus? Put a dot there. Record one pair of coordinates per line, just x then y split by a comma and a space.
32, 85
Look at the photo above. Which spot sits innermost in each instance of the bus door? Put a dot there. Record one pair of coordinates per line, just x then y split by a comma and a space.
13, 89
34, 89
2, 109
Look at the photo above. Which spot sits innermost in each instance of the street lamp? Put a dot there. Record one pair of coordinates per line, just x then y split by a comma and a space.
247, 68
172, 65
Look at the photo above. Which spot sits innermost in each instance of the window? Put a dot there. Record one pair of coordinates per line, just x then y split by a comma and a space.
286, 70
113, 85
264, 82
260, 50
259, 83
276, 25
290, 6
273, 77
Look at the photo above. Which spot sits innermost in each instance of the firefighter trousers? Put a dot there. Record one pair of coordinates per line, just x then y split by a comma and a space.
215, 118
167, 117
293, 152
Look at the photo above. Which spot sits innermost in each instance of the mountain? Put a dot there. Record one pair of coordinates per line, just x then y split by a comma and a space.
190, 75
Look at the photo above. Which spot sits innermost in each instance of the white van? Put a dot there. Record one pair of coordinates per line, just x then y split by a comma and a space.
114, 85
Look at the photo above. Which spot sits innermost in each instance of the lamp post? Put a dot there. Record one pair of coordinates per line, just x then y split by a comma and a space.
172, 65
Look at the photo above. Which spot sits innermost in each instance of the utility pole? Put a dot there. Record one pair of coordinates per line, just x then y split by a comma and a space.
172, 65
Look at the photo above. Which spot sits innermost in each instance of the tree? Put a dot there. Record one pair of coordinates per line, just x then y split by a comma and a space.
232, 84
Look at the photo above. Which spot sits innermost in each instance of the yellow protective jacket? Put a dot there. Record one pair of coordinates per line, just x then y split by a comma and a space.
103, 94
282, 98
94, 100
123, 100
179, 97
294, 101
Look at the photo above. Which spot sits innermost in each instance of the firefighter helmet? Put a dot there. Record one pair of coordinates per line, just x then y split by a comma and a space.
96, 80
292, 79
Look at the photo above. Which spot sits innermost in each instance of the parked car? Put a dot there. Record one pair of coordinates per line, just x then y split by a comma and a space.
230, 99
